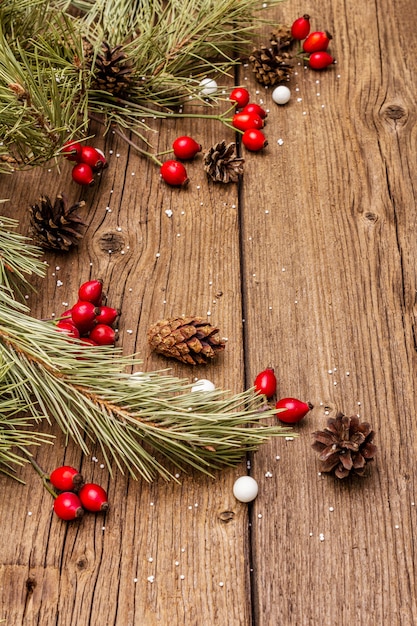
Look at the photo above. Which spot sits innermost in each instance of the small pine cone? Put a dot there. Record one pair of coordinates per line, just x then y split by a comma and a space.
272, 64
112, 69
56, 226
221, 163
344, 446
188, 339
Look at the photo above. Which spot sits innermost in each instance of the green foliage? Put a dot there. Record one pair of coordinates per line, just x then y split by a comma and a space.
142, 422
48, 51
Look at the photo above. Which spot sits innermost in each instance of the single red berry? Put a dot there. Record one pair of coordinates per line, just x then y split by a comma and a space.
301, 27
320, 60
294, 411
68, 506
254, 140
174, 173
240, 96
91, 291
68, 327
93, 497
82, 174
65, 314
317, 41
71, 150
83, 314
186, 147
87, 341
107, 315
252, 107
266, 382
65, 478
92, 157
103, 335
246, 121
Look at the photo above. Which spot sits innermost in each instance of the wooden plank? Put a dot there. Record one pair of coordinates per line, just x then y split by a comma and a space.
165, 553
328, 240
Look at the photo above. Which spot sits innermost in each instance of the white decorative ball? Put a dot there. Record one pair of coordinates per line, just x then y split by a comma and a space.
208, 86
281, 94
245, 489
203, 385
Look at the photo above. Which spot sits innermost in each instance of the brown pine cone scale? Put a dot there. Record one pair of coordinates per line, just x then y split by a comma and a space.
190, 340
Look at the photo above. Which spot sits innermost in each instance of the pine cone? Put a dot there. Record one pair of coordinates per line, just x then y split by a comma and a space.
188, 339
345, 446
56, 226
272, 65
113, 72
221, 163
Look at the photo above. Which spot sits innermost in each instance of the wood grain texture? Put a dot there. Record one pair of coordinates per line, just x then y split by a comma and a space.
316, 254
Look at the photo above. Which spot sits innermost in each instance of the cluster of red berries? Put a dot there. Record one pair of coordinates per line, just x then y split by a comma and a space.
73, 496
248, 119
89, 319
289, 410
315, 44
88, 161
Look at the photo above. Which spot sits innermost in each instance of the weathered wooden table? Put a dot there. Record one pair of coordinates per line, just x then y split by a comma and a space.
307, 266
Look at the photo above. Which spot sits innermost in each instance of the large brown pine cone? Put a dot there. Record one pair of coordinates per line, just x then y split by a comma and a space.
188, 339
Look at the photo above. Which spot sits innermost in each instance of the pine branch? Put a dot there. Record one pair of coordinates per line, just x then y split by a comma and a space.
135, 420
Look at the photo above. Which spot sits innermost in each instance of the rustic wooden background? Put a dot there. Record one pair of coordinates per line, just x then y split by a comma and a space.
309, 267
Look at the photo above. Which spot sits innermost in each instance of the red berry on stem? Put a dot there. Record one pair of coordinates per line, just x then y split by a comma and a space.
82, 174
68, 327
92, 157
103, 335
83, 314
240, 96
254, 140
246, 121
252, 107
71, 150
294, 411
107, 315
65, 478
186, 147
317, 42
93, 497
91, 291
301, 27
266, 382
320, 60
174, 173
68, 506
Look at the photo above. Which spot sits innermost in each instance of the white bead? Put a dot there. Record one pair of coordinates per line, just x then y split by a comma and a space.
281, 94
208, 86
245, 489
203, 385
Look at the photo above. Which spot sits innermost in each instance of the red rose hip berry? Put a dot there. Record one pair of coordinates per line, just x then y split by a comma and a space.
186, 148
240, 96
91, 291
254, 140
93, 498
65, 478
266, 382
83, 315
72, 150
92, 157
317, 41
253, 107
301, 27
107, 315
174, 173
82, 174
68, 506
246, 121
103, 335
294, 410
320, 60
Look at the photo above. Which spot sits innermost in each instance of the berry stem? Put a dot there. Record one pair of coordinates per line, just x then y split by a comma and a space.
43, 475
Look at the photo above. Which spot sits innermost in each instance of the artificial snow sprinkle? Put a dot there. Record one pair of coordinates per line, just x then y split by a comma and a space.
59, 283
221, 584
280, 142
29, 513
168, 212
321, 537
331, 509
268, 474
182, 577
151, 579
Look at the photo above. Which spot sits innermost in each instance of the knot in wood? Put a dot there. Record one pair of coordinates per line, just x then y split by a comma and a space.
30, 584
82, 563
226, 516
394, 114
111, 242
371, 217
